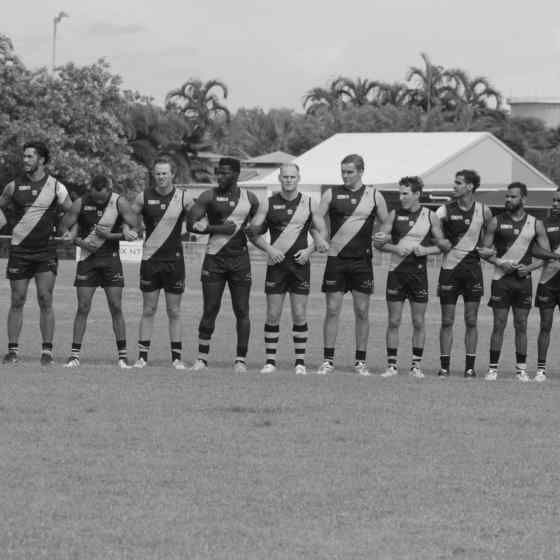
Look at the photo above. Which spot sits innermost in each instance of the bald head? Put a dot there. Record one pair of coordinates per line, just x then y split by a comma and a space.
289, 177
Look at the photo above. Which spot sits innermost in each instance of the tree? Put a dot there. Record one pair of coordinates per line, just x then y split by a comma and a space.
320, 100
359, 92
429, 83
478, 93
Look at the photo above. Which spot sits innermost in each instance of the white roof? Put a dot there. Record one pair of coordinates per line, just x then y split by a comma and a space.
390, 155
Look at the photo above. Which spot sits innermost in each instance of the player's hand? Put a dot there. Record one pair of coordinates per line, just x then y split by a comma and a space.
231, 227
102, 231
380, 239
486, 252
403, 251
275, 255
321, 245
507, 266
420, 251
87, 246
201, 226
302, 256
67, 236
253, 230
522, 271
444, 245
129, 234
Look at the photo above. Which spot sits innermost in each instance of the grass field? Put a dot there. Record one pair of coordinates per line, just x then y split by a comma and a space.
159, 464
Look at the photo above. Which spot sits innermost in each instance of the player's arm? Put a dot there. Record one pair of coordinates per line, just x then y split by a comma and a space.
488, 252
63, 198
70, 219
198, 211
5, 199
323, 209
381, 210
438, 239
130, 218
541, 246
441, 215
256, 227
319, 231
382, 239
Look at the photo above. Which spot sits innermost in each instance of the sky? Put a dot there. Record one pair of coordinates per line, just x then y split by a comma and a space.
270, 53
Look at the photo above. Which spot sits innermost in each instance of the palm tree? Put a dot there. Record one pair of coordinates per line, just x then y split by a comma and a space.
318, 100
476, 92
359, 92
429, 83
396, 94
199, 102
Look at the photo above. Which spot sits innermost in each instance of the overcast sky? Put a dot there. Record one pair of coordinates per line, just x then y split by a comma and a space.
270, 53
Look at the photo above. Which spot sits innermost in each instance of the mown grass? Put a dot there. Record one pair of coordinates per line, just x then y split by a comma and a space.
155, 463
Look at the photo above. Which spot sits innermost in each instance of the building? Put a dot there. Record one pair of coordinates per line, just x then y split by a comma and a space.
547, 109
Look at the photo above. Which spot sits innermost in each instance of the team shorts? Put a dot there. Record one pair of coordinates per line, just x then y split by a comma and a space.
511, 291
548, 295
163, 275
288, 276
24, 266
235, 270
344, 275
104, 272
463, 280
411, 285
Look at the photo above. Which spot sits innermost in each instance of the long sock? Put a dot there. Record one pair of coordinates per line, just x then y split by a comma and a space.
13, 347
541, 364
271, 338
521, 361
417, 356
176, 351
204, 336
328, 355
121, 350
300, 334
445, 361
47, 348
469, 361
241, 353
392, 357
75, 352
143, 349
360, 356
494, 359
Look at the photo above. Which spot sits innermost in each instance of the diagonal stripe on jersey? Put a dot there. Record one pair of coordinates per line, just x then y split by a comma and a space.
109, 217
285, 241
468, 242
414, 237
519, 247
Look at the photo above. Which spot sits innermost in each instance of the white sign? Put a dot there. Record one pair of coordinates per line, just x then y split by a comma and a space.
129, 251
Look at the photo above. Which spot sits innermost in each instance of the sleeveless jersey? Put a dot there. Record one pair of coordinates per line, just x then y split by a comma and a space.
351, 215
409, 230
550, 273
106, 214
36, 213
463, 228
288, 222
235, 205
163, 217
513, 239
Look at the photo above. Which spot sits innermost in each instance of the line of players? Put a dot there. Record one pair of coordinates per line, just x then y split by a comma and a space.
464, 230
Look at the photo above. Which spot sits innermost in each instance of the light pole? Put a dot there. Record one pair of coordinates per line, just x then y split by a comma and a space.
56, 21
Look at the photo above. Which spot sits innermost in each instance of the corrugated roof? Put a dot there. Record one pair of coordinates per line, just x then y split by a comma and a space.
277, 157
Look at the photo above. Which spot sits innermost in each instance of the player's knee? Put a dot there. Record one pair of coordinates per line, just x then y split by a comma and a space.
173, 312
149, 310
499, 324
418, 322
298, 316
361, 313
84, 307
447, 322
241, 311
394, 322
115, 309
520, 323
45, 300
546, 327
18, 300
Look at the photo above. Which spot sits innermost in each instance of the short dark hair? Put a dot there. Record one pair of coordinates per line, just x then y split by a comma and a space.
165, 159
518, 185
415, 184
470, 176
100, 182
356, 159
232, 162
40, 148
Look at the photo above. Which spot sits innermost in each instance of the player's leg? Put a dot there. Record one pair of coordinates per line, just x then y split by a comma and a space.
44, 282
471, 336
18, 295
274, 305
330, 330
84, 296
240, 302
520, 316
150, 301
299, 329
361, 302
173, 307
114, 301
500, 315
418, 315
543, 341
446, 337
394, 316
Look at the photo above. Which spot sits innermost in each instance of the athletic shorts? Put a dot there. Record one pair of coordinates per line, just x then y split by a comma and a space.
462, 280
288, 276
344, 275
163, 275
548, 295
411, 285
103, 272
511, 291
22, 266
235, 270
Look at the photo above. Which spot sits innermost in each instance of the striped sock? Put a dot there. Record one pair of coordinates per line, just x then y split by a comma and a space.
143, 349
204, 336
417, 356
271, 338
392, 357
494, 359
541, 364
328, 355
445, 361
13, 347
121, 350
469, 361
75, 352
47, 348
300, 334
176, 351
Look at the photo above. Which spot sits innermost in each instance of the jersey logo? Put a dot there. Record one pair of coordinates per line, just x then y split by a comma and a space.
89, 208
342, 196
551, 229
222, 199
152, 202
278, 206
24, 188
353, 201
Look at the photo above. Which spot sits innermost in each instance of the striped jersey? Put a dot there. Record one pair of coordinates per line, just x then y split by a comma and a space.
105, 214
463, 228
236, 205
163, 217
513, 239
288, 222
550, 273
351, 215
409, 230
35, 206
